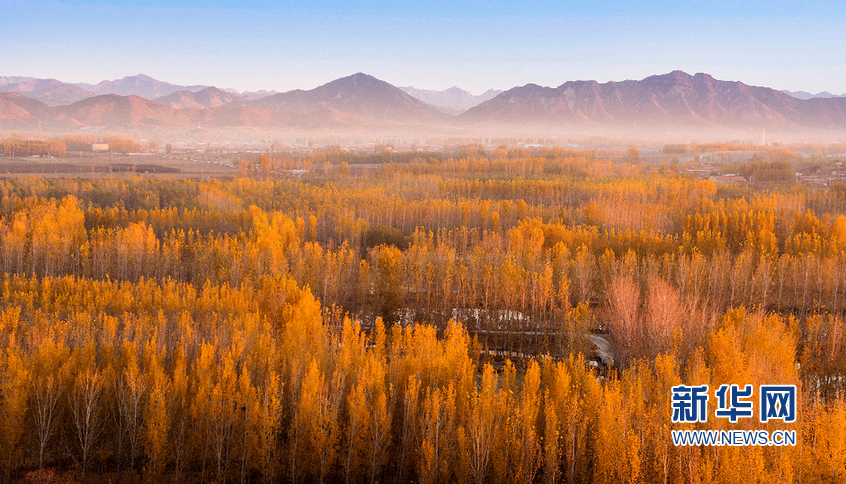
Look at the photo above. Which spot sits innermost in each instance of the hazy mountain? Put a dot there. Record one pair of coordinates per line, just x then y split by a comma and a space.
19, 112
674, 100
233, 115
113, 110
14, 79
140, 85
333, 118
49, 91
359, 95
239, 116
657, 104
212, 107
453, 100
210, 97
807, 95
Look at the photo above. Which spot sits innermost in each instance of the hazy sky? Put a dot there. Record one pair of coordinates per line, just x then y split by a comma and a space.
282, 45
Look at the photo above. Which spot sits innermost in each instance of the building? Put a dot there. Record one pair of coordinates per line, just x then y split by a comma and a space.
728, 179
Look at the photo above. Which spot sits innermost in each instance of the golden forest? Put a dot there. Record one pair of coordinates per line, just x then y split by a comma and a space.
488, 316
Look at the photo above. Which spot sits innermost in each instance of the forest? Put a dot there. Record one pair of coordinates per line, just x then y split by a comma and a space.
427, 318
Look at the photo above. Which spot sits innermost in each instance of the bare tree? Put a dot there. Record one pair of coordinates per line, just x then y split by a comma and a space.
131, 391
86, 407
621, 316
45, 412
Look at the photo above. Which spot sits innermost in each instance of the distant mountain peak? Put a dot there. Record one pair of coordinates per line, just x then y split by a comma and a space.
359, 95
359, 78
50, 91
804, 95
141, 85
451, 101
676, 77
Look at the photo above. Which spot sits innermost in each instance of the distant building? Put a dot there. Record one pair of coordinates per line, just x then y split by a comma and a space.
815, 180
728, 178
100, 147
823, 180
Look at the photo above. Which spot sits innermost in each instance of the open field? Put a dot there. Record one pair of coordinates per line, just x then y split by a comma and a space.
91, 165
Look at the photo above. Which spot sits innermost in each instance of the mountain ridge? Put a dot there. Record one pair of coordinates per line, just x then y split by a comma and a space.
659, 101
140, 85
359, 95
210, 97
670, 102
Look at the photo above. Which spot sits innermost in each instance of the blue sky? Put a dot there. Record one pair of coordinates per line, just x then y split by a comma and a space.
476, 45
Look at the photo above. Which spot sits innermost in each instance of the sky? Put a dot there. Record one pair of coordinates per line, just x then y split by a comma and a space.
476, 45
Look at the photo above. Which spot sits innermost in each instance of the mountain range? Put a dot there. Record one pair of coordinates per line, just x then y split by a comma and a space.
49, 91
668, 101
664, 103
140, 85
